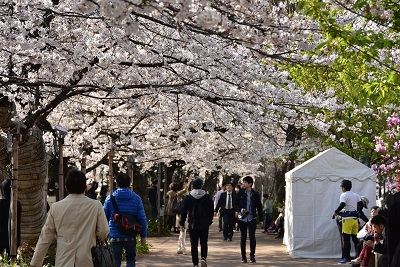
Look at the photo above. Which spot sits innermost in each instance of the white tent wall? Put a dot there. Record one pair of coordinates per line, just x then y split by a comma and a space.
312, 194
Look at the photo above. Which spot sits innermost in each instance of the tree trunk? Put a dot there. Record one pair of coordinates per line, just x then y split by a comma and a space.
32, 174
32, 170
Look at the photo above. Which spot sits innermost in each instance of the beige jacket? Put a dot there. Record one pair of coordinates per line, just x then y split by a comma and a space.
171, 195
75, 222
182, 193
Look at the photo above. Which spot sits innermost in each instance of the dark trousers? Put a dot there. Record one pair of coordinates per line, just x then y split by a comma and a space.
339, 225
347, 244
243, 226
154, 212
171, 222
195, 235
280, 226
129, 244
383, 261
229, 223
220, 222
267, 221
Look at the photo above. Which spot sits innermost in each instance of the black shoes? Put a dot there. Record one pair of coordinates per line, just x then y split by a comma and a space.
252, 259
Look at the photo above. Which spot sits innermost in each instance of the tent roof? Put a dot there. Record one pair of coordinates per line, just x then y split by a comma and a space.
331, 164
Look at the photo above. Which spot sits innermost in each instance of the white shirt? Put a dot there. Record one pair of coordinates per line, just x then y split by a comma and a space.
217, 197
350, 199
227, 198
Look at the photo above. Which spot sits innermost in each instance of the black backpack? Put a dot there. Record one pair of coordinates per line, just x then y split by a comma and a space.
199, 215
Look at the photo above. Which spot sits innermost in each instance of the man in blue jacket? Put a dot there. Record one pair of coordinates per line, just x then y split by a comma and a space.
248, 204
128, 203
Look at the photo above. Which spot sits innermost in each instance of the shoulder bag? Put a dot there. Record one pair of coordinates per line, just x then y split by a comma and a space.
177, 206
127, 223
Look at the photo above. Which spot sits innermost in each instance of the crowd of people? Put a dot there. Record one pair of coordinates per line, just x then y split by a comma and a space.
379, 236
242, 208
239, 209
79, 221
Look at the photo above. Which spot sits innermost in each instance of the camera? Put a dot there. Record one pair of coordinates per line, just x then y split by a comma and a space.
242, 215
368, 237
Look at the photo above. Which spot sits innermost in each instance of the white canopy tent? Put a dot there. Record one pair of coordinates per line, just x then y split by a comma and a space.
312, 195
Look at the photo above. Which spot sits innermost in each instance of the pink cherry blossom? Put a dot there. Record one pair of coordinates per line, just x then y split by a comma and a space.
380, 148
396, 146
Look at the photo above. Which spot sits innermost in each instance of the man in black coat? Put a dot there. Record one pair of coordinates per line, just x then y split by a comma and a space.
199, 207
393, 204
248, 204
153, 190
226, 209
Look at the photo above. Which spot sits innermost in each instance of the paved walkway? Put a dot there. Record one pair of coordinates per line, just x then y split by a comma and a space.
270, 252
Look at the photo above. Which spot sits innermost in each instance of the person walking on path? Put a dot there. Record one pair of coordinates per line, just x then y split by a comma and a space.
75, 222
184, 190
226, 209
349, 208
216, 199
267, 208
198, 206
127, 202
92, 186
171, 216
152, 191
248, 203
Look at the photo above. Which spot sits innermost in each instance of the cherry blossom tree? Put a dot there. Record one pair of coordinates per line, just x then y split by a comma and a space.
160, 80
387, 145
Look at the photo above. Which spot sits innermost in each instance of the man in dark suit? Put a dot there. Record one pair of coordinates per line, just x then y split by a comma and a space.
153, 190
226, 209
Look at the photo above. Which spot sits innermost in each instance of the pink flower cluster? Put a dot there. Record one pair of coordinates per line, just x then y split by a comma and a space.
393, 121
388, 146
